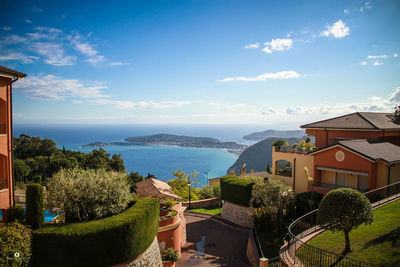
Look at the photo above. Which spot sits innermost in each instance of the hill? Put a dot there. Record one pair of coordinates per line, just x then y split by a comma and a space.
257, 136
258, 155
173, 140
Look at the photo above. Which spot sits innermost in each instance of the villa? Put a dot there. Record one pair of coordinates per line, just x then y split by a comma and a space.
359, 150
7, 78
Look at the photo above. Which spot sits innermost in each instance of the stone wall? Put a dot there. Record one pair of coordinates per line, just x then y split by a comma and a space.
252, 251
237, 214
204, 203
150, 258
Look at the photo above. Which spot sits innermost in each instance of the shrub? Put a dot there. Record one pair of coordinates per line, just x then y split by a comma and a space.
169, 255
34, 206
306, 202
16, 214
88, 194
210, 191
343, 210
108, 241
15, 245
169, 204
236, 190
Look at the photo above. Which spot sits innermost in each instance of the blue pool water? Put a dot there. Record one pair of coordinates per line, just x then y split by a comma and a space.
48, 216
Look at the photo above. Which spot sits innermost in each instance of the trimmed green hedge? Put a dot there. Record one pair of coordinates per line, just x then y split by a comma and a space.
236, 190
103, 242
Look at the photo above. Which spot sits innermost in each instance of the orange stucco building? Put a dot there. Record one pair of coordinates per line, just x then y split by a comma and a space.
359, 150
7, 78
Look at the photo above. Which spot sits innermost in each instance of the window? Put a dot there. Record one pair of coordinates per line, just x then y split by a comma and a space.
340, 179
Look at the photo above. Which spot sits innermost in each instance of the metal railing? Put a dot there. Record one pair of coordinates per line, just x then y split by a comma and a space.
3, 129
302, 253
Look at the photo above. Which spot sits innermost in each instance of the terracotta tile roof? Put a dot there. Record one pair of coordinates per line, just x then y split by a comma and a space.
373, 150
10, 72
358, 120
155, 188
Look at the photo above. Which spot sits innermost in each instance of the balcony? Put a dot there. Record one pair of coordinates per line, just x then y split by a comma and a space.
325, 188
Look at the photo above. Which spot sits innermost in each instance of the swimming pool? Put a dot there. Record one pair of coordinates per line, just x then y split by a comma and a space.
48, 216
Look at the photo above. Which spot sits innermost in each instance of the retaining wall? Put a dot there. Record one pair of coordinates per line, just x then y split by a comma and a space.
151, 257
237, 214
204, 203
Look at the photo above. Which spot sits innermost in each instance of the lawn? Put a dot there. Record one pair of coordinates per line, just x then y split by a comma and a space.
211, 210
377, 243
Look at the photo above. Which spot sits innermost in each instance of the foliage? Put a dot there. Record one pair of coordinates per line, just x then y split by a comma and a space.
169, 204
16, 214
103, 242
210, 191
276, 198
306, 202
40, 157
34, 206
279, 143
88, 194
268, 169
169, 254
235, 190
134, 178
343, 210
208, 210
180, 185
15, 240
261, 218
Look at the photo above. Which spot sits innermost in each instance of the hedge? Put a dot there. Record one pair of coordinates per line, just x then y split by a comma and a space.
103, 242
236, 190
34, 206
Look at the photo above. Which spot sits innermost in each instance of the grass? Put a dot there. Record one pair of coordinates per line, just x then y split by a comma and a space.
377, 243
210, 210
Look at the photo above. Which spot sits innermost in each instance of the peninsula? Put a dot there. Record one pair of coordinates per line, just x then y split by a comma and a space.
173, 140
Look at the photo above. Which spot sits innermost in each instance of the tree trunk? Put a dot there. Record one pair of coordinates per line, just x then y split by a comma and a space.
347, 239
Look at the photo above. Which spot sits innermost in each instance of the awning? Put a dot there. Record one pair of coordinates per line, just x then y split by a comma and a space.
342, 170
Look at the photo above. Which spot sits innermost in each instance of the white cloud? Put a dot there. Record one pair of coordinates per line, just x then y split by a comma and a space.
28, 21
6, 28
377, 63
114, 64
130, 105
278, 45
346, 11
12, 39
395, 97
367, 5
377, 57
282, 75
53, 54
375, 98
395, 55
45, 33
19, 57
96, 59
56, 88
337, 30
255, 45
364, 63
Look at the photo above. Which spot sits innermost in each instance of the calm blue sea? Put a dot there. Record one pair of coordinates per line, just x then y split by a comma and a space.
158, 160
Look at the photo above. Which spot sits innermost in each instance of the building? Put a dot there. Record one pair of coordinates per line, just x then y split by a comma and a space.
359, 150
7, 78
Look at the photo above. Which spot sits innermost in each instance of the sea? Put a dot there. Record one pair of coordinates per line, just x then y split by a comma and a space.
161, 161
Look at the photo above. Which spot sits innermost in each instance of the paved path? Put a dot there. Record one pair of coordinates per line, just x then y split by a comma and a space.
211, 242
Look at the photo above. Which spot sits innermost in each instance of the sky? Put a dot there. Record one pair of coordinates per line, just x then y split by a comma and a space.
274, 63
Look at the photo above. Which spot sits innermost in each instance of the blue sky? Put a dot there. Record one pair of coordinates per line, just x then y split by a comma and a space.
273, 63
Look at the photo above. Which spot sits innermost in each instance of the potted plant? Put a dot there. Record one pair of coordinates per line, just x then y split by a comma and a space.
169, 257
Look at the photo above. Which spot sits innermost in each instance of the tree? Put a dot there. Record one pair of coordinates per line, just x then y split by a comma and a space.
268, 169
344, 209
21, 170
88, 194
117, 163
276, 198
180, 185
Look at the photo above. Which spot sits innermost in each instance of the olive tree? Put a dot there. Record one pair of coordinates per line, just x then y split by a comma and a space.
343, 210
88, 194
275, 198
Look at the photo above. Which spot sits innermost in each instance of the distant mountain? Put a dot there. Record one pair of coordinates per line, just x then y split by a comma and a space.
258, 155
172, 140
258, 136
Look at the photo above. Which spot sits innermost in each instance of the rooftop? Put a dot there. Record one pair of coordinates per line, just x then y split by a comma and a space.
358, 120
373, 150
155, 188
6, 72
